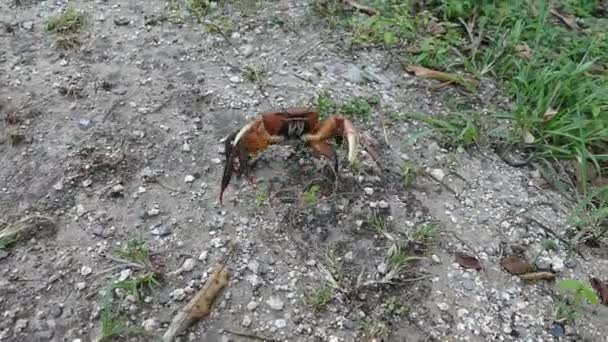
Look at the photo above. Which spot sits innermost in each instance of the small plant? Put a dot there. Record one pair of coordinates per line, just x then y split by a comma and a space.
325, 105
457, 130
378, 225
358, 107
394, 306
374, 329
70, 21
198, 8
581, 292
424, 234
319, 297
135, 251
397, 257
311, 195
6, 243
136, 285
254, 74
409, 173
564, 313
260, 198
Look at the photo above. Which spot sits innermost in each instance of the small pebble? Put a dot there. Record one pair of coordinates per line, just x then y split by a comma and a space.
275, 303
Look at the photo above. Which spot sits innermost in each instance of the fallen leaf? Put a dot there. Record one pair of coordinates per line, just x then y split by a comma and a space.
420, 71
569, 20
200, 305
435, 28
549, 114
468, 261
524, 51
528, 137
515, 265
537, 276
602, 289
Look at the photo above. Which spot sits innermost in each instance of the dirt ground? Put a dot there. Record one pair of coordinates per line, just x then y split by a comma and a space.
121, 138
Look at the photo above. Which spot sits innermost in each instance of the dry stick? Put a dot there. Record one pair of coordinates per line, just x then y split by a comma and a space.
361, 8
250, 335
303, 54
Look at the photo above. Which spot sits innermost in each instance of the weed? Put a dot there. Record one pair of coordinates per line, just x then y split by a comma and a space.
425, 233
260, 198
458, 129
112, 320
198, 8
254, 74
359, 107
394, 306
564, 313
6, 243
70, 21
580, 291
135, 251
311, 195
378, 225
374, 329
409, 173
319, 297
325, 105
397, 257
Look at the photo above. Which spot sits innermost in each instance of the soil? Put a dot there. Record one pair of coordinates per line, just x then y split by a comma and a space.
121, 137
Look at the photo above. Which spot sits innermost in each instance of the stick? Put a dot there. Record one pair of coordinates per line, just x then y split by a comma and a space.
361, 8
250, 335
200, 305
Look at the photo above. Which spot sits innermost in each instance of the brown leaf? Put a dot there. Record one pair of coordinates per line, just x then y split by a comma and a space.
569, 20
549, 114
468, 261
524, 51
435, 28
515, 265
200, 305
440, 75
537, 276
602, 289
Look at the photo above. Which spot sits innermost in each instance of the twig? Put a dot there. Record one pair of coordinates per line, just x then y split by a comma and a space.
554, 234
111, 109
303, 54
361, 8
126, 262
249, 335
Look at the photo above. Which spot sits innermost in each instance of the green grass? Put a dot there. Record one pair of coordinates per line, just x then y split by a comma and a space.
319, 297
70, 21
135, 251
556, 77
356, 107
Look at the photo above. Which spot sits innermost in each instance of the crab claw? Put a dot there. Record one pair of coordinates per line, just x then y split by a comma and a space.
351, 137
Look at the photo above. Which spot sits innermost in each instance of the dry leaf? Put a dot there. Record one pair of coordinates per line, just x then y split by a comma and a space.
537, 276
468, 261
524, 51
549, 114
528, 137
200, 305
435, 28
361, 8
602, 289
569, 20
515, 265
440, 75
